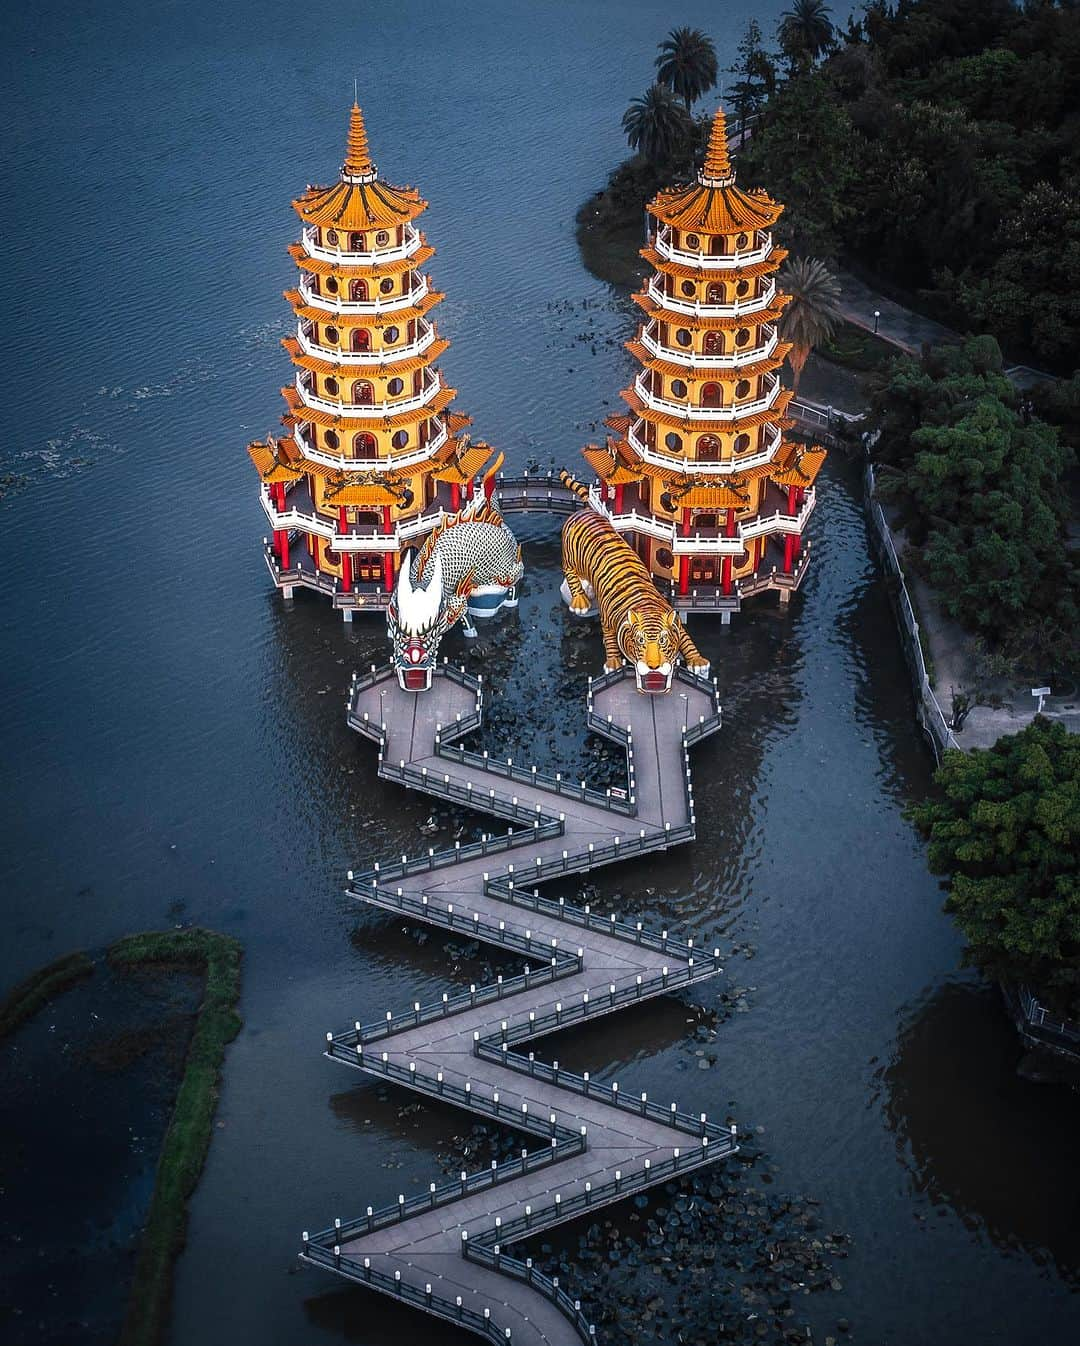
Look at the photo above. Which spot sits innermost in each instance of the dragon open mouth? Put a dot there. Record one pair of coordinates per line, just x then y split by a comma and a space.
415, 679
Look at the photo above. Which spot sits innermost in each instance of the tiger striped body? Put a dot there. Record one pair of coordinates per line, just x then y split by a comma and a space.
639, 626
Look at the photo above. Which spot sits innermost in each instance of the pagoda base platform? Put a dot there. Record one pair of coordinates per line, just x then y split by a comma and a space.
709, 600
301, 573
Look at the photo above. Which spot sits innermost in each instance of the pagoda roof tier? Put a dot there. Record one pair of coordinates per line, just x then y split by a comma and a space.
273, 462
681, 271
286, 460
794, 465
464, 462
803, 467
391, 318
709, 323
302, 412
346, 270
707, 424
358, 370
713, 204
708, 373
359, 200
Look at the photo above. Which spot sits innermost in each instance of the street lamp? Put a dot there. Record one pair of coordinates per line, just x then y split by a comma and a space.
877, 316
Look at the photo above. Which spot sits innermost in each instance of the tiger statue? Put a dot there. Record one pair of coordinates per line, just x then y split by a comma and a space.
638, 625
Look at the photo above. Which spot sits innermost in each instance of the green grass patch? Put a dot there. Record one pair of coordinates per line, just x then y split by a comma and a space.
854, 348
40, 987
183, 1151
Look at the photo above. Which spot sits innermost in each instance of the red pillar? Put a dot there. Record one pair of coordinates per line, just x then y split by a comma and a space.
791, 542
725, 570
455, 496
489, 486
618, 499
388, 557
684, 560
346, 557
283, 554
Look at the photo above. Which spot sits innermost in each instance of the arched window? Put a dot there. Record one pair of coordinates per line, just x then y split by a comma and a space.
358, 292
673, 442
714, 343
362, 393
708, 449
716, 245
361, 339
715, 293
710, 395
356, 243
364, 445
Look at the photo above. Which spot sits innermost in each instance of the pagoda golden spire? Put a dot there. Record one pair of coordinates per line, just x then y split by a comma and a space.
717, 160
357, 155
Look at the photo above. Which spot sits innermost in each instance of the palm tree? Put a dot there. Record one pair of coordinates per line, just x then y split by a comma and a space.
656, 124
812, 315
805, 31
687, 64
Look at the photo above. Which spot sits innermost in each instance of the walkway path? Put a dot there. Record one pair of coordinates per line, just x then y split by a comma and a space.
449, 1251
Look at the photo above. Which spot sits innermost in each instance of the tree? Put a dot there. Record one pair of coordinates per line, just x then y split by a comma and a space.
1005, 832
755, 73
811, 316
805, 32
657, 125
687, 64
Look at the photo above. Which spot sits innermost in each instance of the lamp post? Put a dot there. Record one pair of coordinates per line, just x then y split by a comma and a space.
877, 317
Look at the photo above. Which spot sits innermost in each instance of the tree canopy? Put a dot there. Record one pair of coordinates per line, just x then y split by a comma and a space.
1004, 830
687, 64
658, 126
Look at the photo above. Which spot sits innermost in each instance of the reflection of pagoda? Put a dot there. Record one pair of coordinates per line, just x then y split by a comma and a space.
372, 454
698, 475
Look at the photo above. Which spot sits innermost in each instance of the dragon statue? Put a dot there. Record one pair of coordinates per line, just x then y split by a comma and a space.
638, 625
469, 566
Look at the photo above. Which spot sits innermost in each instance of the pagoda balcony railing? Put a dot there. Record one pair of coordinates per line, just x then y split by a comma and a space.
369, 410
383, 357
671, 462
703, 541
355, 539
695, 359
371, 307
694, 411
697, 309
392, 462
398, 253
710, 261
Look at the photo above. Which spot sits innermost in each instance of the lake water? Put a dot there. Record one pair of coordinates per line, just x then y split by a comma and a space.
175, 742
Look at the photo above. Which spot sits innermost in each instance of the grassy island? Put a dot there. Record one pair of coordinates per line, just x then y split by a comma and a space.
24, 1000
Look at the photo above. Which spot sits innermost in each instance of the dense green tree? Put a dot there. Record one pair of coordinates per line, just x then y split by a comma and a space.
807, 153
1004, 829
754, 71
687, 64
810, 319
805, 32
657, 125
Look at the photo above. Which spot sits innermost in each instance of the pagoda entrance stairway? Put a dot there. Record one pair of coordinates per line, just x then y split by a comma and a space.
448, 1250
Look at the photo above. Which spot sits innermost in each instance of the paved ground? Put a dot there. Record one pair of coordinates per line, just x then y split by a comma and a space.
427, 1248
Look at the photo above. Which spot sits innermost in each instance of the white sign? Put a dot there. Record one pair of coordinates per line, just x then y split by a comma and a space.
1040, 691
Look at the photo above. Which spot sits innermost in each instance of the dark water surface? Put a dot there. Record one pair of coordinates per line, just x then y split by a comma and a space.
175, 744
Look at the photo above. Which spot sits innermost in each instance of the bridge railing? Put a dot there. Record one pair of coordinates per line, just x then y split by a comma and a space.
441, 784
554, 969
343, 1231
460, 921
492, 1048
438, 1304
522, 1269
472, 850
532, 776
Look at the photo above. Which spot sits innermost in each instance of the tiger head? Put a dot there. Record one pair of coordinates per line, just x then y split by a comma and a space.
649, 640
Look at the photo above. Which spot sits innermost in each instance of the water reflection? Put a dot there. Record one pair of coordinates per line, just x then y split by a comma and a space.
1000, 1152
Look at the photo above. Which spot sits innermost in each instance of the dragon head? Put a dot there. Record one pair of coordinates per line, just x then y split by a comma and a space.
416, 620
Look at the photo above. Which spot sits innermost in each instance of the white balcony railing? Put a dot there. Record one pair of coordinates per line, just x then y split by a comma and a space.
673, 462
695, 359
712, 543
707, 261
371, 307
369, 410
374, 539
696, 308
397, 253
381, 357
693, 411
394, 461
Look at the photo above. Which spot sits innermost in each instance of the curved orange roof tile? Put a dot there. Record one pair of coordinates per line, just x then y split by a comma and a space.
392, 318
359, 371
371, 270
681, 271
710, 324
352, 424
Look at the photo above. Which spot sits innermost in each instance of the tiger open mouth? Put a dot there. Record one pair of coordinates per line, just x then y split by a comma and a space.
654, 682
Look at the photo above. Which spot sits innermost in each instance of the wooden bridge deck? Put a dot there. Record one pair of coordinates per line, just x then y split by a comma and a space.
590, 1144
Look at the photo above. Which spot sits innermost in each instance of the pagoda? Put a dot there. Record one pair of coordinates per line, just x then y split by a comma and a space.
372, 456
698, 475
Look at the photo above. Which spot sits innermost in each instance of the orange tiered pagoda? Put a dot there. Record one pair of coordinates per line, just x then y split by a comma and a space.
698, 475
372, 453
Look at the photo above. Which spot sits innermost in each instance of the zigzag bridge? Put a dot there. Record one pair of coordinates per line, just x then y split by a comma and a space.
446, 1251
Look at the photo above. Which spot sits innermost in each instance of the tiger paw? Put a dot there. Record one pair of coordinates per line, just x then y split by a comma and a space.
579, 603
613, 668
700, 668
